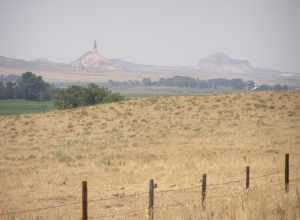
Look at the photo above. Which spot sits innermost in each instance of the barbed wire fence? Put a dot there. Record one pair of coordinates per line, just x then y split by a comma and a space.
147, 203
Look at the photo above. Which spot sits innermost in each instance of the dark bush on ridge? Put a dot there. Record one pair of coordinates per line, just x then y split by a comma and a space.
75, 96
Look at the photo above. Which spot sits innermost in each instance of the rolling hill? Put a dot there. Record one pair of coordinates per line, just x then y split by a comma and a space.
118, 147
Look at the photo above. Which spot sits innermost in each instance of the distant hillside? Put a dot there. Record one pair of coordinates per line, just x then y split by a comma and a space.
223, 65
38, 64
93, 66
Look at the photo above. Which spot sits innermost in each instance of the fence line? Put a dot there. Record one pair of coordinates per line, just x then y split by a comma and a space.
203, 184
143, 193
118, 198
39, 209
133, 195
132, 212
176, 190
122, 214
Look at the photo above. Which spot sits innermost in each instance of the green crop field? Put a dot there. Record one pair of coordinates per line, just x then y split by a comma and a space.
17, 106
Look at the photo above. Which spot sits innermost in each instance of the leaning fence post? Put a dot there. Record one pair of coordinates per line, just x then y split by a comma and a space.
247, 177
84, 201
203, 190
151, 199
287, 173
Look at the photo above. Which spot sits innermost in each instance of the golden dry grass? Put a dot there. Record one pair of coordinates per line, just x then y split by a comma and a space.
118, 147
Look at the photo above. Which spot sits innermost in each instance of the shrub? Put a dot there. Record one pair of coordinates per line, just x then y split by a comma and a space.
76, 96
113, 97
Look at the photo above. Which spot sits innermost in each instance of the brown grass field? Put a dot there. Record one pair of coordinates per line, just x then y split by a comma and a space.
118, 147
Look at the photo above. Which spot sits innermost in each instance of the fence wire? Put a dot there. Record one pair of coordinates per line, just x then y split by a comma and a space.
136, 204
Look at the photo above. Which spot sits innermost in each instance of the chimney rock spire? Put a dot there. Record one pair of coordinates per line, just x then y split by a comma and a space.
95, 46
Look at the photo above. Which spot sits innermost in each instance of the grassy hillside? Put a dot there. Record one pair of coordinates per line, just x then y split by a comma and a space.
118, 147
16, 106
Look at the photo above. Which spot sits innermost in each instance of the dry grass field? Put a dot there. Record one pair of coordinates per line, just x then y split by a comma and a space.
118, 147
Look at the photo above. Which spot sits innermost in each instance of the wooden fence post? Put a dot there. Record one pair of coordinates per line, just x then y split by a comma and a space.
203, 190
287, 173
84, 201
151, 199
247, 177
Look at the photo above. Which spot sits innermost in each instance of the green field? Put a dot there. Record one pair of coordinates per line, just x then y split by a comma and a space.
17, 106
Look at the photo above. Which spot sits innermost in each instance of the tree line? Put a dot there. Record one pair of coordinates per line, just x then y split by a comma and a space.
28, 86
189, 82
34, 88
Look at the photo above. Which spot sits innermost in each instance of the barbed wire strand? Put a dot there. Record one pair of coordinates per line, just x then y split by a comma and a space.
180, 189
122, 213
139, 194
97, 199
39, 209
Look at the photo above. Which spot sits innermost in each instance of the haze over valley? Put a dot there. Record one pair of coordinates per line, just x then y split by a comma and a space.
93, 66
150, 110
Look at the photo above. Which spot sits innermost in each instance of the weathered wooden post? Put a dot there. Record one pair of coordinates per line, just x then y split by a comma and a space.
151, 199
84, 201
287, 172
247, 177
203, 195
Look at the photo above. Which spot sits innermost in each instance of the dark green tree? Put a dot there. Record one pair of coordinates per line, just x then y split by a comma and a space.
71, 97
95, 94
237, 84
33, 87
146, 81
10, 91
2, 90
76, 96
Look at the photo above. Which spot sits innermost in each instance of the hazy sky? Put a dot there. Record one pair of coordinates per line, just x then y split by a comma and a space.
166, 32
